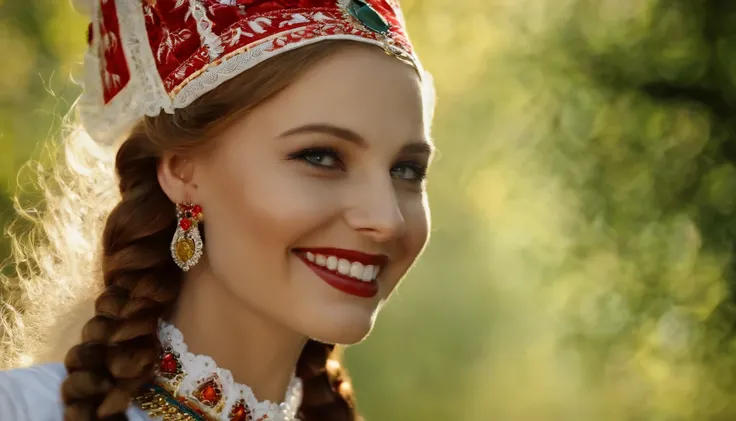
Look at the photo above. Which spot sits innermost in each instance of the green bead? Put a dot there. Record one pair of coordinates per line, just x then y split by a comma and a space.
368, 16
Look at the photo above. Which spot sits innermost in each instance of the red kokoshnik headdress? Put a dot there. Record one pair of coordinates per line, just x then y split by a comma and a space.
146, 56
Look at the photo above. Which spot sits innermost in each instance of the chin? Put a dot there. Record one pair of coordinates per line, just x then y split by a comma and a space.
342, 328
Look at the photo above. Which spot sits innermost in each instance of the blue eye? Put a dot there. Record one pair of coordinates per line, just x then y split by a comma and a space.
329, 159
410, 171
319, 157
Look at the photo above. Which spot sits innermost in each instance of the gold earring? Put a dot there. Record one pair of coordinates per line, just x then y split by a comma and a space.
186, 247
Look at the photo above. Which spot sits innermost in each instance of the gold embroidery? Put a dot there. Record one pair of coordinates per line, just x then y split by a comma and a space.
156, 404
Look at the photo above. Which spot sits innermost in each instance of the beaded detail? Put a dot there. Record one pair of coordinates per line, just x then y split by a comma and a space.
189, 387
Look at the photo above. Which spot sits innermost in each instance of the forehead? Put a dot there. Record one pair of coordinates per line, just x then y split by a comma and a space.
359, 87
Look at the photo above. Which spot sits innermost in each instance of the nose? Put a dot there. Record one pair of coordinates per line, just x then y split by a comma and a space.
375, 211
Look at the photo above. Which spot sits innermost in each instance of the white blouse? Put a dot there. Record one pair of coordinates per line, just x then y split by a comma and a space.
32, 393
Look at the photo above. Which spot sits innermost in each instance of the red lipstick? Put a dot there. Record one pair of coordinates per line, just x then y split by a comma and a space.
344, 283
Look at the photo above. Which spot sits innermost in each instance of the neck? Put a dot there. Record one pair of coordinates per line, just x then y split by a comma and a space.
217, 324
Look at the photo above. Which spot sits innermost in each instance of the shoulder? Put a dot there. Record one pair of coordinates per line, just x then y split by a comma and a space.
33, 393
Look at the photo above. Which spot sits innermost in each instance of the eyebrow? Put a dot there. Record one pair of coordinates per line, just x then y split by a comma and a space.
344, 133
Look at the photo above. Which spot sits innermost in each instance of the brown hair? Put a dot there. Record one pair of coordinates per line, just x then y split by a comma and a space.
141, 283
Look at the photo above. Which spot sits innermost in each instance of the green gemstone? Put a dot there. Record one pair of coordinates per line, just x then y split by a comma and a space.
368, 16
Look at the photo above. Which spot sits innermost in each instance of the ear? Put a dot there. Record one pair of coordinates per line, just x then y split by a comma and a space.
175, 175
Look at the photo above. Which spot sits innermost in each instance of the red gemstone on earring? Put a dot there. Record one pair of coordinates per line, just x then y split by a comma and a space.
168, 363
185, 223
196, 210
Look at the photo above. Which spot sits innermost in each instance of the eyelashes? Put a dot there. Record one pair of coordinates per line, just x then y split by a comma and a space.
328, 159
419, 171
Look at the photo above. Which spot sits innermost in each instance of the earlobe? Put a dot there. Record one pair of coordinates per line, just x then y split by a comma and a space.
175, 176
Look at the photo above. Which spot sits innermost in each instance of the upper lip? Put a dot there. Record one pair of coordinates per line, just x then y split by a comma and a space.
351, 255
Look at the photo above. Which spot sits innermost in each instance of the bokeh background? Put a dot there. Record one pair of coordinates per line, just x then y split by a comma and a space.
581, 265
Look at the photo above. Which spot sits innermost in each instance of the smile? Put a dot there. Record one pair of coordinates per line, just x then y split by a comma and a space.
349, 271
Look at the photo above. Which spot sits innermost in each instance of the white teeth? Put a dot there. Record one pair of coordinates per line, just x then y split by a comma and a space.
343, 266
357, 270
367, 274
321, 260
332, 263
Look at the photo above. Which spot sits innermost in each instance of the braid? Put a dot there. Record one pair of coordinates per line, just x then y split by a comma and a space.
119, 344
327, 392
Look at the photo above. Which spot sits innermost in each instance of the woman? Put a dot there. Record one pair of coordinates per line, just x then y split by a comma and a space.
272, 195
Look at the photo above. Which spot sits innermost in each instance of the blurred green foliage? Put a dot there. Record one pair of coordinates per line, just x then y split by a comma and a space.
581, 266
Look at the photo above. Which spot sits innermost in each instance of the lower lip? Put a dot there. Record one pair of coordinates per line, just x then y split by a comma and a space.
343, 283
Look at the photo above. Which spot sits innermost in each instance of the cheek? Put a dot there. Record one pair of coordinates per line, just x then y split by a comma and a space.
418, 222
265, 206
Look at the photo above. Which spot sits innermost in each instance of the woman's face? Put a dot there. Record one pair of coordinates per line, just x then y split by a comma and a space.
315, 204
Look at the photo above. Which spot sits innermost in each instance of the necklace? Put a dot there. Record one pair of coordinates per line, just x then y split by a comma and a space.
189, 387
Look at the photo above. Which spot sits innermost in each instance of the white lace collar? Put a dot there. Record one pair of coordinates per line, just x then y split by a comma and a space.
197, 381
